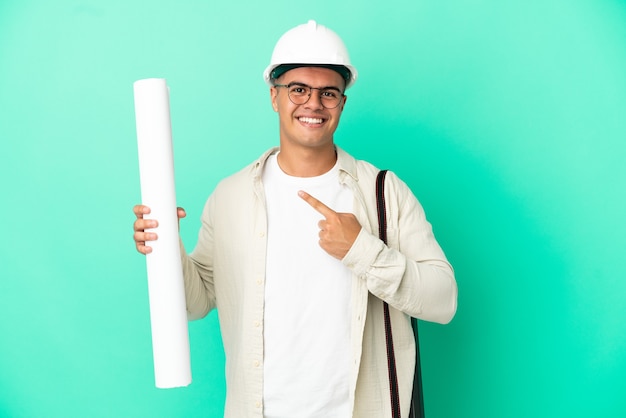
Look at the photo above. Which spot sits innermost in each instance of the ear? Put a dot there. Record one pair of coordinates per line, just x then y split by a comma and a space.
273, 94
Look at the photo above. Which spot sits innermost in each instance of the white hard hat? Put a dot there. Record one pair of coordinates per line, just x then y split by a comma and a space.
312, 45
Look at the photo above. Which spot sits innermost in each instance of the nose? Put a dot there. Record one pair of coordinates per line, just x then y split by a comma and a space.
315, 100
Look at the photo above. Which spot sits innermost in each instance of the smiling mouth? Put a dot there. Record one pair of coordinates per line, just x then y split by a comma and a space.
311, 121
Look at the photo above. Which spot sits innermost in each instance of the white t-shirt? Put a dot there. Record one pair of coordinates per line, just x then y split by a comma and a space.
307, 301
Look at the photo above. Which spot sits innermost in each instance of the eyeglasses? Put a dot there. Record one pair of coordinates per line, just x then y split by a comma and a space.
299, 94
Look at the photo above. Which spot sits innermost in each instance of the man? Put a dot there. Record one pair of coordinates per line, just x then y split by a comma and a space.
289, 254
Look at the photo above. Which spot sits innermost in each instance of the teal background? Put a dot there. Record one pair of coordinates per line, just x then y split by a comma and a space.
507, 119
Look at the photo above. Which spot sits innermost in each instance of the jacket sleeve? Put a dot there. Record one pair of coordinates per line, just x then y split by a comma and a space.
198, 270
412, 274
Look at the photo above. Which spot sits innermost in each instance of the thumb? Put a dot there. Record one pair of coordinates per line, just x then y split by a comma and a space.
180, 212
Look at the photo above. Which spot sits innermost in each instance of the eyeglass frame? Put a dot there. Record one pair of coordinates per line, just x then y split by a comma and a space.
297, 83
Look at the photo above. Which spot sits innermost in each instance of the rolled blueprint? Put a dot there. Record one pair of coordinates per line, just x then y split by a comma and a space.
166, 291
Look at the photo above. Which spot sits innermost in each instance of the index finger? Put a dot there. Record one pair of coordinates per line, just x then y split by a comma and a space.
141, 210
316, 204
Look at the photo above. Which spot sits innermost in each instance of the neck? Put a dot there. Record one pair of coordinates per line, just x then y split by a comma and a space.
307, 163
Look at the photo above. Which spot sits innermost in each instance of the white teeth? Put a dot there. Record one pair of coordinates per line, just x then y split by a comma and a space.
310, 120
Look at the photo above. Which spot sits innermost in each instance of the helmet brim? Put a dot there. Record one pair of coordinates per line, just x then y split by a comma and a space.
281, 69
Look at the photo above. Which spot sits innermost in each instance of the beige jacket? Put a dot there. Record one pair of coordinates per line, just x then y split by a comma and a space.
226, 270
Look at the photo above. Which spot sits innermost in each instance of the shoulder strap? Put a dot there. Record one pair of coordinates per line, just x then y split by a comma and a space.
391, 358
380, 205
417, 399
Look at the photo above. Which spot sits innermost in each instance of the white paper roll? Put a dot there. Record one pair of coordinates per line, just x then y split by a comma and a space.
168, 313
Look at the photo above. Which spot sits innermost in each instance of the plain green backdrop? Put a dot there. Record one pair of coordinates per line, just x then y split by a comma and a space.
506, 118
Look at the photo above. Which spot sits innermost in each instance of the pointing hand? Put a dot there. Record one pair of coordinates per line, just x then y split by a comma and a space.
338, 231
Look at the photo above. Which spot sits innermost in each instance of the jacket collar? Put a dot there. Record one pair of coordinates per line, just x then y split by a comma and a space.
347, 163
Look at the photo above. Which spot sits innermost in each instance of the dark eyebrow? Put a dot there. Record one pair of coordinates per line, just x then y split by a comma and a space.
298, 83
